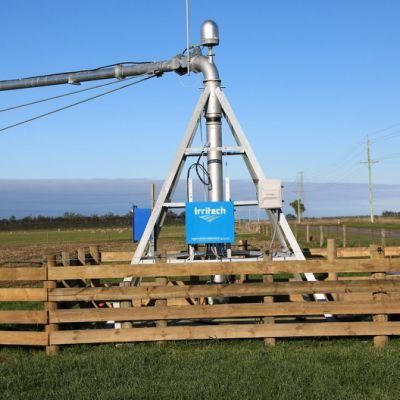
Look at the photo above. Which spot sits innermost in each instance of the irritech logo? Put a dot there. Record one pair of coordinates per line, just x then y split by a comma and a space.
209, 214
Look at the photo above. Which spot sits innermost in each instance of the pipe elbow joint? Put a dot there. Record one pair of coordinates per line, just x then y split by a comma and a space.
200, 63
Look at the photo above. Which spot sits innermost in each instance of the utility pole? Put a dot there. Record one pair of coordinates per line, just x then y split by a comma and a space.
300, 191
370, 162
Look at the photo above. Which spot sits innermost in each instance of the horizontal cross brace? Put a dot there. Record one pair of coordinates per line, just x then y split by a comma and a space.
240, 203
226, 151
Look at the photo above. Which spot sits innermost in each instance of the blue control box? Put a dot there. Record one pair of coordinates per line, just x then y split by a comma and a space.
140, 218
210, 222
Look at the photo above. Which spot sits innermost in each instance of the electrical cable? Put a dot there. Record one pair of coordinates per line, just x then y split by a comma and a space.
389, 157
199, 168
121, 63
63, 95
274, 233
380, 131
75, 104
387, 137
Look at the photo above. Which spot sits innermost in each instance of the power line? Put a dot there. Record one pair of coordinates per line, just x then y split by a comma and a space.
74, 104
380, 131
61, 95
387, 137
389, 157
340, 168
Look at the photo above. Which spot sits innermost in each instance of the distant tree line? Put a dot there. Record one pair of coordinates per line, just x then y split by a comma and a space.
391, 214
73, 220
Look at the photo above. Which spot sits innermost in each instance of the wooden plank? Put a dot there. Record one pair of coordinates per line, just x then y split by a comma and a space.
217, 290
126, 256
22, 274
19, 338
23, 294
392, 251
50, 306
222, 311
225, 332
222, 268
94, 253
23, 317
344, 252
119, 256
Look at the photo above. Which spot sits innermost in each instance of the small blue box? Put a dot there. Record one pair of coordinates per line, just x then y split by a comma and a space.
140, 218
209, 222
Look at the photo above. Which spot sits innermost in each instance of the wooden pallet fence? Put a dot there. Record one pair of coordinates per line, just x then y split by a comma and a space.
23, 326
269, 305
22, 289
259, 308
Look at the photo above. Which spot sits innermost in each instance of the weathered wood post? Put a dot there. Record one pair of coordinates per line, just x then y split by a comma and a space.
95, 253
65, 258
50, 306
321, 236
269, 278
344, 228
82, 255
383, 237
331, 256
308, 233
379, 341
162, 323
244, 247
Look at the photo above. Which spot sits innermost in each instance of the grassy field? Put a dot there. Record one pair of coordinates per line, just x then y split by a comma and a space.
339, 369
358, 235
53, 236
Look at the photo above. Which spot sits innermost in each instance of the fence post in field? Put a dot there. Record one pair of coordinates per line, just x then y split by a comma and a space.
243, 246
162, 281
383, 237
321, 235
50, 306
379, 341
295, 230
331, 256
269, 278
344, 235
308, 233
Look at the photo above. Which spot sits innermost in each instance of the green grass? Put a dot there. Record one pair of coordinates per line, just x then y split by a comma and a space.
54, 236
21, 305
175, 234
295, 369
338, 369
171, 233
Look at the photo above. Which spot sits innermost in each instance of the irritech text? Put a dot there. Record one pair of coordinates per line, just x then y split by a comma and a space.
210, 211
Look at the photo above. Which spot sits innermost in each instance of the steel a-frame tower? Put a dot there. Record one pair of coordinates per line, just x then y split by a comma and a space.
289, 245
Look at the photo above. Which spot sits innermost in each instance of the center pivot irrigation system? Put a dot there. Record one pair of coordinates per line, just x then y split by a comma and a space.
210, 224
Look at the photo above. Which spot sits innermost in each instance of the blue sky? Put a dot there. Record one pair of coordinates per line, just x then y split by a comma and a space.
308, 80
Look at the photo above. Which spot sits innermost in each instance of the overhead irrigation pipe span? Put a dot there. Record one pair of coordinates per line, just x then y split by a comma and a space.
176, 64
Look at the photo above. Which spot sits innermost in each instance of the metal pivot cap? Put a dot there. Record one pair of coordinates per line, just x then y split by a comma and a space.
209, 33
